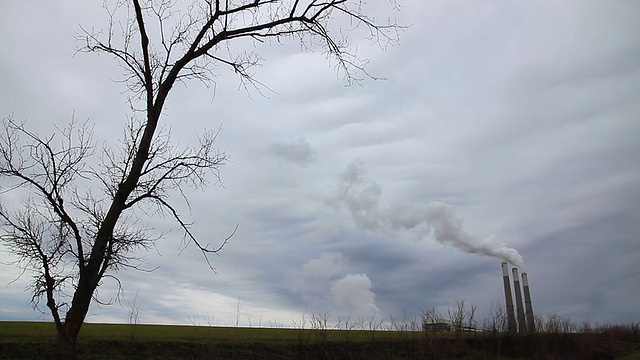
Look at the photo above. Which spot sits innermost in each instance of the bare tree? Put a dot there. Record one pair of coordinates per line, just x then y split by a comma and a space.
458, 314
556, 324
72, 235
431, 316
462, 316
497, 318
471, 316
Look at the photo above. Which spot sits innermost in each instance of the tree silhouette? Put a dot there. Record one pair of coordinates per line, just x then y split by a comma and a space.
71, 234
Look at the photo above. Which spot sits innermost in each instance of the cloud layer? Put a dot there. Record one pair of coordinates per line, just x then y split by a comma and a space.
502, 125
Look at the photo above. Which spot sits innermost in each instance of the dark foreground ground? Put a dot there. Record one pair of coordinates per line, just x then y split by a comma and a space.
623, 345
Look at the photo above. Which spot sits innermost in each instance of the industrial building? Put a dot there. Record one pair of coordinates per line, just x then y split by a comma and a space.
524, 322
520, 319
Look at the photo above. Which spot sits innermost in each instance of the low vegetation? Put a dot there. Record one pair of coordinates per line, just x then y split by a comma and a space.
36, 340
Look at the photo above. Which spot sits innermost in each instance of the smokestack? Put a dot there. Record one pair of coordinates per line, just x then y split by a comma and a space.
522, 323
511, 317
527, 303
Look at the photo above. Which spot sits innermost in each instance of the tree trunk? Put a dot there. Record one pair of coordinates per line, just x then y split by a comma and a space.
66, 347
69, 331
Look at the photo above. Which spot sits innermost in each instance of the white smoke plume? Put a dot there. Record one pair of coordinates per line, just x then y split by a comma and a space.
361, 197
326, 281
353, 293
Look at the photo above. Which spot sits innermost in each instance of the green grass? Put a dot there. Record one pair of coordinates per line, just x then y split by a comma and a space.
35, 340
632, 356
139, 332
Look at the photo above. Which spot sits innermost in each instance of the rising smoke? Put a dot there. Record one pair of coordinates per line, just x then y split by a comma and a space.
327, 278
361, 197
353, 293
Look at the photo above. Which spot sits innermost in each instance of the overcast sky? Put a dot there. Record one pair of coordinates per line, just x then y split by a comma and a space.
501, 126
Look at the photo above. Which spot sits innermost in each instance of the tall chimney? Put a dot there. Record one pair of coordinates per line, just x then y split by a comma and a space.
527, 303
511, 317
522, 323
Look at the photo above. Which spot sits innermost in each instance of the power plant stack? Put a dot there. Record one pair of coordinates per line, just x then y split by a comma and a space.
511, 317
522, 324
527, 303
525, 320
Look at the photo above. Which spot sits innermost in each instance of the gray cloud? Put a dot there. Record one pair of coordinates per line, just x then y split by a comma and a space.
327, 266
522, 117
298, 151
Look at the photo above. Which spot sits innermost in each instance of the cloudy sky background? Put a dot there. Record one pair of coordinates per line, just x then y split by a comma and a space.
504, 125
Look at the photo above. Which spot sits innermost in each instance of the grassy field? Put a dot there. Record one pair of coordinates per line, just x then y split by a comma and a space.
36, 340
140, 332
